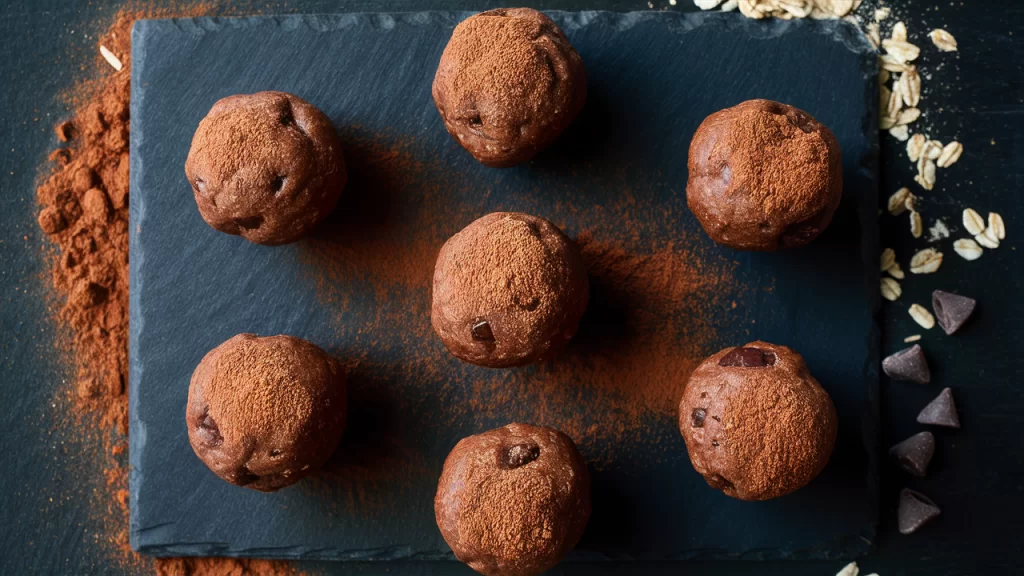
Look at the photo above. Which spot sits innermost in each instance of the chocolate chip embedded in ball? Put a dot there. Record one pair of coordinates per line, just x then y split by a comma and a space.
509, 82
764, 175
757, 425
265, 166
509, 289
514, 500
265, 412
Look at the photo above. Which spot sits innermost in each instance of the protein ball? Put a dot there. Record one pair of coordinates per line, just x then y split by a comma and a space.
509, 289
764, 175
514, 500
264, 412
757, 425
509, 82
265, 166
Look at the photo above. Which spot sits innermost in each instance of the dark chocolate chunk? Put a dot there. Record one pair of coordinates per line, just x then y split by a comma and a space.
941, 411
747, 358
482, 330
697, 417
908, 364
208, 430
521, 455
951, 310
915, 511
914, 453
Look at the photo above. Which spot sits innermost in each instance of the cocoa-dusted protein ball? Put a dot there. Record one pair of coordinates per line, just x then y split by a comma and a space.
508, 84
757, 425
264, 412
509, 289
764, 175
265, 166
514, 500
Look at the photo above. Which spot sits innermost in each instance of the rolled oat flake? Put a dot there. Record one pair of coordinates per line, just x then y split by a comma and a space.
915, 453
941, 411
915, 511
952, 310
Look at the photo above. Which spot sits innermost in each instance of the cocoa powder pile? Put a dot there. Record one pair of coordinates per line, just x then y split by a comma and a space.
83, 203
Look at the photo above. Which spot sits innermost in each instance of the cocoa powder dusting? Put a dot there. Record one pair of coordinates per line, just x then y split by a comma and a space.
509, 70
784, 160
83, 202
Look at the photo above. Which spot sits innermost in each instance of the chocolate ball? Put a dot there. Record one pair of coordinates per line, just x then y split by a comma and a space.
265, 166
514, 500
265, 412
757, 425
764, 175
508, 84
509, 289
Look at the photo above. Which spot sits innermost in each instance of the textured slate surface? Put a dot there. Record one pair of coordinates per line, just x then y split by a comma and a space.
652, 77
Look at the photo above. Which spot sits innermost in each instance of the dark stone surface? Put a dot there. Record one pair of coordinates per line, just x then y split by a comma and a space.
653, 77
54, 481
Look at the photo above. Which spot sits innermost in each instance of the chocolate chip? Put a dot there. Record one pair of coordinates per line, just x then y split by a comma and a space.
915, 511
908, 364
250, 223
914, 453
941, 411
521, 455
208, 430
748, 358
697, 417
481, 330
952, 310
718, 482
244, 476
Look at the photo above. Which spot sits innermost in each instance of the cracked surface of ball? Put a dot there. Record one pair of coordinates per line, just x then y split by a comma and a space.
757, 425
514, 500
266, 166
509, 82
764, 175
264, 412
509, 289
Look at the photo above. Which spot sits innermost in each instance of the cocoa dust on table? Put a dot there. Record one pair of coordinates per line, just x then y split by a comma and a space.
651, 318
83, 202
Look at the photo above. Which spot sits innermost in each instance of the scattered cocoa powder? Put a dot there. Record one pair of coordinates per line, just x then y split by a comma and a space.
654, 311
222, 567
83, 202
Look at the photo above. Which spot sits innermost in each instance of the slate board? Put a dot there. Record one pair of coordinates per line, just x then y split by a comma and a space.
652, 77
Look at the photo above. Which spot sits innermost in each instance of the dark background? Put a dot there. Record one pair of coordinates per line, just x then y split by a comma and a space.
47, 481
